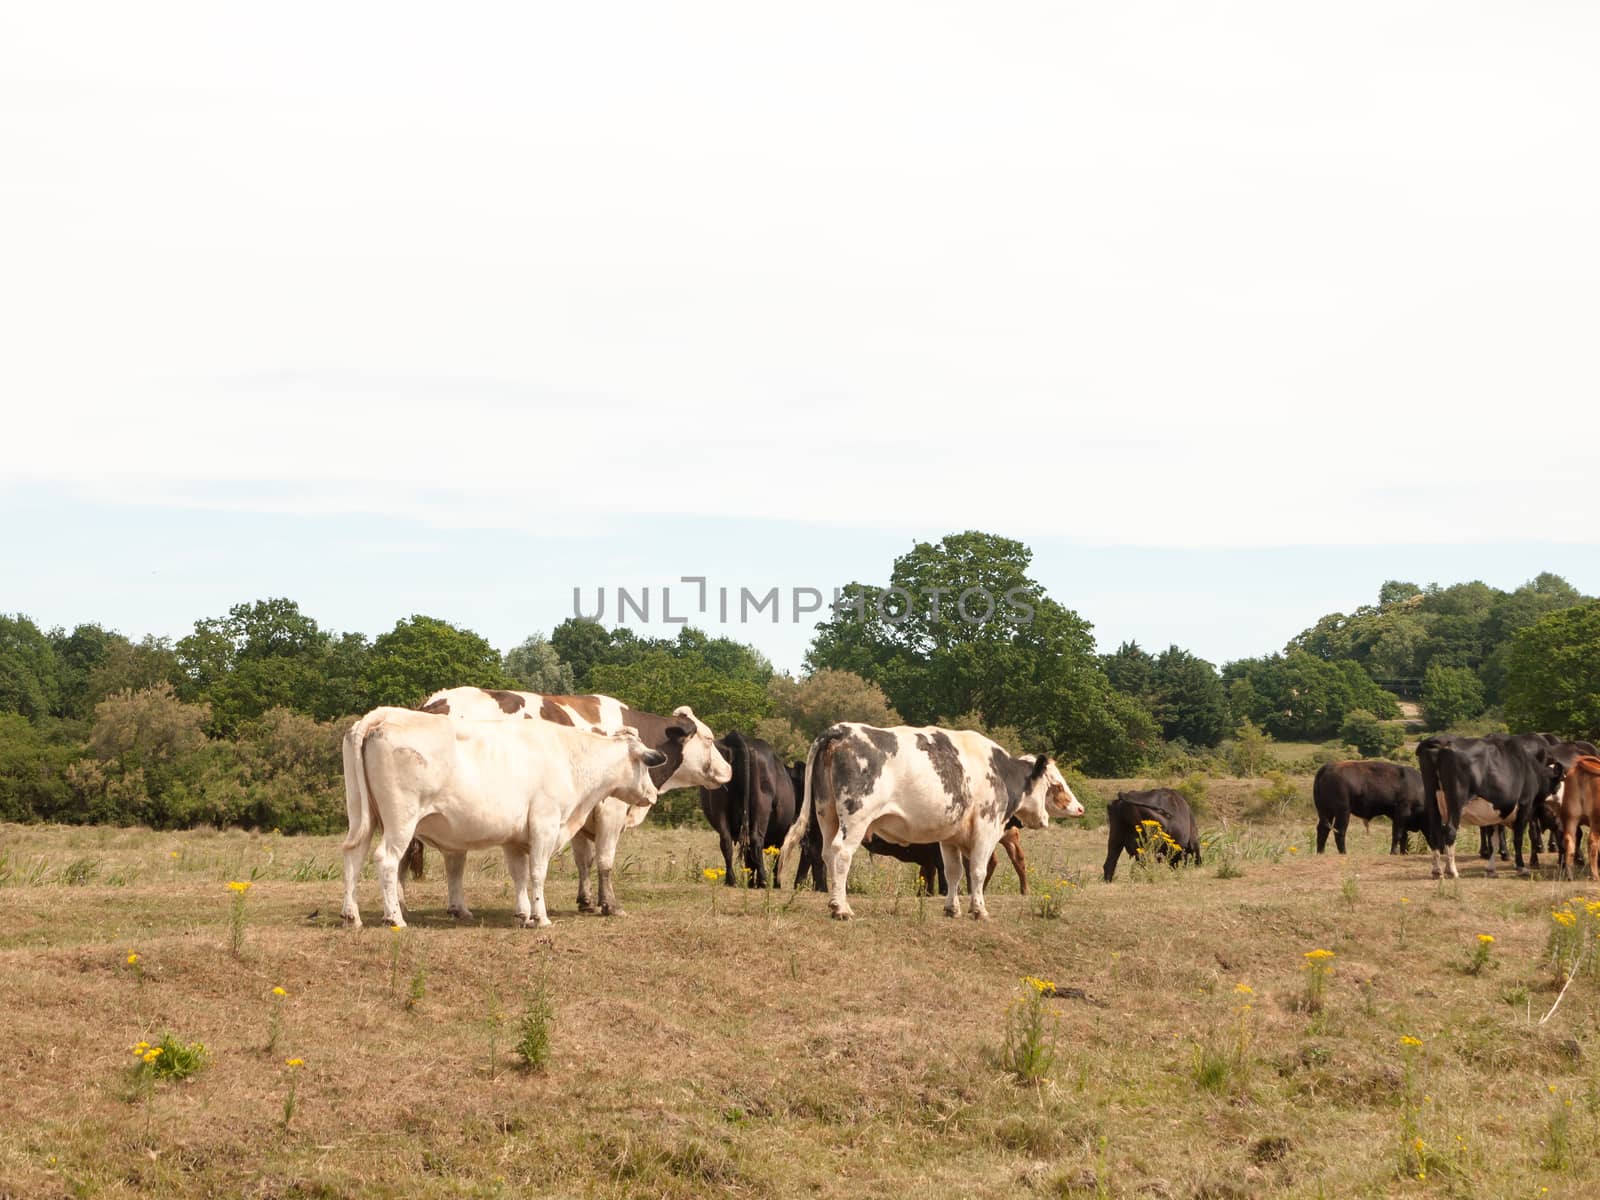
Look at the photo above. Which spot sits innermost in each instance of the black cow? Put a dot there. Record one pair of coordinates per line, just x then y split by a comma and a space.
1494, 780
1163, 805
1546, 814
811, 844
1367, 789
753, 809
929, 859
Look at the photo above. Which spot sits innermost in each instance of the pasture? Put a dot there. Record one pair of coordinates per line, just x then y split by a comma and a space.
727, 1042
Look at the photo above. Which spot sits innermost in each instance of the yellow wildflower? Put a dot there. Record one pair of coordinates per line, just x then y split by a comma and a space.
1294, 849
132, 959
278, 991
1486, 939
239, 885
1408, 1040
1563, 918
1319, 955
714, 874
294, 1062
1039, 985
1244, 989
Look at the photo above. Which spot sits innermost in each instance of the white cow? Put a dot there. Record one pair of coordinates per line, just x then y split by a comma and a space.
525, 786
692, 760
911, 785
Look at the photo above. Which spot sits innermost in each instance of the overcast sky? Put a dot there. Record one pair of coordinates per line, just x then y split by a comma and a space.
1230, 311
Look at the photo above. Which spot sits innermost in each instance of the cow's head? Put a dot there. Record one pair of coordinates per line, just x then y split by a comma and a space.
1046, 795
638, 789
700, 762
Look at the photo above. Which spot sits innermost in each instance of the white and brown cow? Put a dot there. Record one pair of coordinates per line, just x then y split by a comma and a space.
911, 785
692, 760
525, 786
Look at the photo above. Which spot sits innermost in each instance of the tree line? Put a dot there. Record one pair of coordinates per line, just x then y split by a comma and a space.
239, 722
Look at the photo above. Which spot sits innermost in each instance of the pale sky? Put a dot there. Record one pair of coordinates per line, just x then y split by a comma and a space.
468, 305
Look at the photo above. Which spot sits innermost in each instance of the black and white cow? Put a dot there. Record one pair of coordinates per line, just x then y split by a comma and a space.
909, 785
1487, 781
1365, 789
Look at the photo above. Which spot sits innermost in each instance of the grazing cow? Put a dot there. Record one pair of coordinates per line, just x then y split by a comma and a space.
692, 760
1164, 806
754, 809
1365, 789
1494, 780
526, 787
1580, 804
909, 785
929, 859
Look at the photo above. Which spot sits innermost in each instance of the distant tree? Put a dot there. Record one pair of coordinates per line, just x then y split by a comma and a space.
423, 654
582, 645
658, 681
132, 666
1031, 665
1394, 591
1188, 699
1297, 696
1450, 695
534, 666
30, 681
1131, 669
1371, 737
33, 785
147, 728
828, 696
1553, 675
262, 655
1251, 751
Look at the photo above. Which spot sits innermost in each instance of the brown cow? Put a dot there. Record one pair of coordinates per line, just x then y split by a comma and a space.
1580, 804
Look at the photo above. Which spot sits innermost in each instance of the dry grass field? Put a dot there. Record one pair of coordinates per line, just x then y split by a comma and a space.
721, 1042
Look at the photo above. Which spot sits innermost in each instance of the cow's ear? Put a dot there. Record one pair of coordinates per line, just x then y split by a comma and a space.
1041, 764
677, 732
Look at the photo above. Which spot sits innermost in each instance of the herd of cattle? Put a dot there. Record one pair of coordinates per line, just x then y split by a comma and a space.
475, 769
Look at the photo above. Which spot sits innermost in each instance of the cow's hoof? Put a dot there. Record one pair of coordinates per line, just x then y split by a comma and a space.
1524, 873
460, 914
395, 922
351, 920
952, 912
585, 905
980, 916
1438, 874
842, 914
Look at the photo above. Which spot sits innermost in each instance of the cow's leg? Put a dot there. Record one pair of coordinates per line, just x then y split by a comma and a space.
837, 851
455, 870
583, 856
355, 858
517, 866
613, 815
983, 845
1324, 824
1517, 831
954, 872
390, 853
1594, 854
1569, 849
725, 842
1113, 855
1011, 839
1340, 824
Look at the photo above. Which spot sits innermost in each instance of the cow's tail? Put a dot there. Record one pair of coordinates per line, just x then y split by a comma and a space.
802, 819
359, 806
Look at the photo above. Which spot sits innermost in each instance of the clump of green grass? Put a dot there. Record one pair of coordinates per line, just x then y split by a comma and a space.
80, 871
280, 997
1028, 1052
1482, 955
533, 1028
1318, 966
239, 888
417, 989
293, 1066
1220, 1061
1557, 1134
169, 1058
1350, 889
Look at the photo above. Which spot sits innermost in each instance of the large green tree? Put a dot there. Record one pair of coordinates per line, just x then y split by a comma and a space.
30, 681
423, 654
1553, 675
1298, 696
961, 628
534, 666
